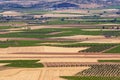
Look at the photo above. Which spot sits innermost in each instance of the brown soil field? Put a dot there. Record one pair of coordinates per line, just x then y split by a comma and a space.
70, 26
81, 37
58, 15
92, 5
2, 64
39, 74
104, 40
38, 49
86, 11
71, 11
11, 13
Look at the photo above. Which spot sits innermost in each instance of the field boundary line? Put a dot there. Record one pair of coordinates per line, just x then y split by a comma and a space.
109, 49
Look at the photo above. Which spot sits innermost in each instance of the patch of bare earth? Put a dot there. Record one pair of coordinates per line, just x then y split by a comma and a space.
38, 49
58, 15
104, 40
11, 13
80, 37
39, 74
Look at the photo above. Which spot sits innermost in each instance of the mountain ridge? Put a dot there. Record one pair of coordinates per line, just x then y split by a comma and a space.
44, 4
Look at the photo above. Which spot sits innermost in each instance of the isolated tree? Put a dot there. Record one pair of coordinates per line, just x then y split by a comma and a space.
103, 27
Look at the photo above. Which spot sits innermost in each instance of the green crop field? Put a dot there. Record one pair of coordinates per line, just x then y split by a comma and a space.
22, 63
109, 61
23, 43
5, 27
45, 33
82, 20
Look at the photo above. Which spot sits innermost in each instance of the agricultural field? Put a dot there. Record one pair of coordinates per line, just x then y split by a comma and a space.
91, 78
60, 44
114, 50
98, 72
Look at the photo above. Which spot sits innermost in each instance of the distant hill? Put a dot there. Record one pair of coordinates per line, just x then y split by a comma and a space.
65, 5
53, 4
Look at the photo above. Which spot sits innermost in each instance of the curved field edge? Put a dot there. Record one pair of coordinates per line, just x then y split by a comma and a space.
93, 47
22, 63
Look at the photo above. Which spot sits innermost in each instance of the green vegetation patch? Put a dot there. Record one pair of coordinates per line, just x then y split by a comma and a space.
47, 33
90, 78
22, 63
24, 43
61, 22
114, 50
109, 61
5, 27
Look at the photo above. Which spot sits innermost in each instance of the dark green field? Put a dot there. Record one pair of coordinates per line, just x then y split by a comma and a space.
118, 61
22, 63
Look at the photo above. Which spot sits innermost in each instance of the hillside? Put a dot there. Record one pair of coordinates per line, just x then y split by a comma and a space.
53, 4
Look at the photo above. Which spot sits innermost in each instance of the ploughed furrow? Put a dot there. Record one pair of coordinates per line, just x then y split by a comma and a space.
77, 64
107, 70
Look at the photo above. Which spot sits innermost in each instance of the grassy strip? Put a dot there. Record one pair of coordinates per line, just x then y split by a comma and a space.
22, 63
23, 43
84, 20
114, 50
5, 27
109, 61
8, 27
90, 78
